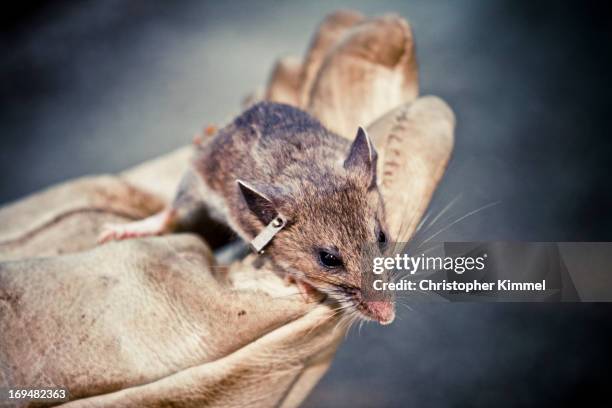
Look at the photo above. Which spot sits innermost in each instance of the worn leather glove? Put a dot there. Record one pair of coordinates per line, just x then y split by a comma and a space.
160, 321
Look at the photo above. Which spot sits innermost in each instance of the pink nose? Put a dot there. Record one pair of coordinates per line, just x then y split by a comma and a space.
384, 312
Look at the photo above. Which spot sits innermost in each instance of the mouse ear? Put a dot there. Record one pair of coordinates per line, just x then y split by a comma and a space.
362, 157
257, 201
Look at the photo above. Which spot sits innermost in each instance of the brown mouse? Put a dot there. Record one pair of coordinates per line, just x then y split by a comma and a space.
285, 183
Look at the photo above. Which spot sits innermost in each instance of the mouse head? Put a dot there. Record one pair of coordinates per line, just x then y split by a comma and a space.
336, 226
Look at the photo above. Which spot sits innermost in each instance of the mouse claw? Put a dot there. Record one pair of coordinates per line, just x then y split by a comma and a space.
112, 232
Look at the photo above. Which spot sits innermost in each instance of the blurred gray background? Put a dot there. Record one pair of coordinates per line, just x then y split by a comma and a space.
96, 87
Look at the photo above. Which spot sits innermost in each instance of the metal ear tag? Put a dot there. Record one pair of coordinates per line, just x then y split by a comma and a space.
265, 236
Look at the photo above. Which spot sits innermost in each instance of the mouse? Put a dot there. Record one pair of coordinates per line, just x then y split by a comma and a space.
301, 195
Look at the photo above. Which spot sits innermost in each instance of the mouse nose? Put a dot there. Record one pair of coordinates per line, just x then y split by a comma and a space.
383, 312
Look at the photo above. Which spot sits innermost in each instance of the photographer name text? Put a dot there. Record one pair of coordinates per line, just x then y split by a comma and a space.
412, 265
455, 286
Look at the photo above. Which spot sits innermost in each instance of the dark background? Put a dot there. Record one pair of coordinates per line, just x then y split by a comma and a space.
94, 87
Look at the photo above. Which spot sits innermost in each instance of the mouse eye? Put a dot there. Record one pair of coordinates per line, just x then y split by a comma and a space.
382, 239
329, 260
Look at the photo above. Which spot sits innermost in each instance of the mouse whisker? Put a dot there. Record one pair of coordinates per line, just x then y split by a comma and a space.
469, 214
441, 213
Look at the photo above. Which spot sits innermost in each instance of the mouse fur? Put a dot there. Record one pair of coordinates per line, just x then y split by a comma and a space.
275, 158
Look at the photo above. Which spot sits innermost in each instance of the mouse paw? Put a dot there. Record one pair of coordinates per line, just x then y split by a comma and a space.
115, 232
155, 225
307, 291
288, 280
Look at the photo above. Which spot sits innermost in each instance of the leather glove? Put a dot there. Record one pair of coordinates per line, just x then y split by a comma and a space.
160, 321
